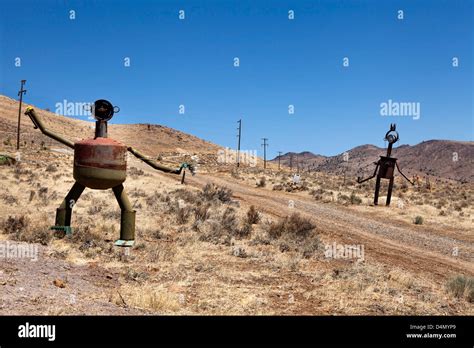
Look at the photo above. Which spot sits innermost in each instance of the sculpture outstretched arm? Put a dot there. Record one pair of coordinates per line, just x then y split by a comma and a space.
39, 124
404, 175
360, 181
157, 166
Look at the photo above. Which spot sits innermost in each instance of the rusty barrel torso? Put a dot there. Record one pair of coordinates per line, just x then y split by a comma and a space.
387, 167
100, 163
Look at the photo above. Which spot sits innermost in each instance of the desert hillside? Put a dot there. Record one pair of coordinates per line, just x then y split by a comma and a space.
228, 241
153, 140
436, 159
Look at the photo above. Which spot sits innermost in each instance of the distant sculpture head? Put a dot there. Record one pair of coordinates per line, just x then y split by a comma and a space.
392, 135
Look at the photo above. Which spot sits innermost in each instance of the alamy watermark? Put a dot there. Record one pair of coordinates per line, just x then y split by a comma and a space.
394, 108
18, 251
229, 156
78, 109
344, 251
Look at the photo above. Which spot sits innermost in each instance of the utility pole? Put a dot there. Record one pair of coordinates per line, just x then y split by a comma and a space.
291, 161
297, 164
20, 93
279, 158
265, 144
238, 143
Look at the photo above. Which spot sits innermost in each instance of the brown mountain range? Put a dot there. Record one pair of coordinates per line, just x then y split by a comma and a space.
445, 159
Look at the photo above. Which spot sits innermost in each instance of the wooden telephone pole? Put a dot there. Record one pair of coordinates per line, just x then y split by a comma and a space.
265, 144
279, 158
238, 143
20, 93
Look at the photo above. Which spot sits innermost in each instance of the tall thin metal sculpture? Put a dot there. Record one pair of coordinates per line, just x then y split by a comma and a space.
387, 166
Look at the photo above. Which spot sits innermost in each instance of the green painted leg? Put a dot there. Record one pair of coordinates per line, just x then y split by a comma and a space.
127, 219
64, 212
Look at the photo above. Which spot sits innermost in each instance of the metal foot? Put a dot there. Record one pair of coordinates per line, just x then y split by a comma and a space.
66, 229
124, 243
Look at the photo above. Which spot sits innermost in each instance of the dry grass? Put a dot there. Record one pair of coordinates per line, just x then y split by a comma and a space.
198, 252
461, 287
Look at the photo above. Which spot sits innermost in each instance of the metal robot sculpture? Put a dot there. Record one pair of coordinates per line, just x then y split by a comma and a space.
387, 166
100, 163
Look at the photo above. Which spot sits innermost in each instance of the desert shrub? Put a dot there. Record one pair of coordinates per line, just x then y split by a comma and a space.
9, 199
43, 193
229, 220
253, 216
295, 233
201, 212
235, 174
355, 199
278, 187
343, 198
20, 229
138, 193
86, 239
135, 172
212, 192
292, 226
94, 209
244, 231
441, 203
113, 214
185, 195
153, 199
51, 168
317, 194
461, 286
418, 220
14, 224
262, 182
183, 214
310, 247
36, 234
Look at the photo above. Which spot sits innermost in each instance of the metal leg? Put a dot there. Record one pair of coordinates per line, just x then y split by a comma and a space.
127, 219
182, 179
377, 189
389, 194
64, 212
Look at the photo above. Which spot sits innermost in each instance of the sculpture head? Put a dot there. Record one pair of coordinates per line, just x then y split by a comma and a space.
103, 111
392, 135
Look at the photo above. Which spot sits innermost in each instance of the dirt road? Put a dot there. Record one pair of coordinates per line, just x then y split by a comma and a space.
421, 249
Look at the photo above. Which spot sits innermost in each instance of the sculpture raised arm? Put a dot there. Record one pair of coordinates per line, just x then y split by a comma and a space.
39, 124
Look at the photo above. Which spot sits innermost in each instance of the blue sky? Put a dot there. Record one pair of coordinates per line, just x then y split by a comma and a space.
282, 62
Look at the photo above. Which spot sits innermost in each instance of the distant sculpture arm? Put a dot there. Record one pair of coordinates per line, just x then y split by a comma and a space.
404, 175
370, 177
157, 166
39, 124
